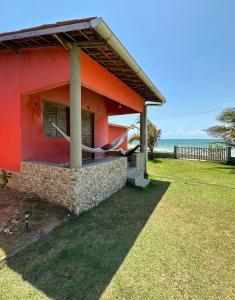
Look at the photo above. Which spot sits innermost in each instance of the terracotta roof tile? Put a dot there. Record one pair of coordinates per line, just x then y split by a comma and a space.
45, 26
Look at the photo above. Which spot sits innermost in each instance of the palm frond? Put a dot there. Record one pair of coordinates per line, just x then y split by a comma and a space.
227, 131
134, 137
153, 135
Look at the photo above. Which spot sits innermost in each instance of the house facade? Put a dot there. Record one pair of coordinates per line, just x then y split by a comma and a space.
74, 74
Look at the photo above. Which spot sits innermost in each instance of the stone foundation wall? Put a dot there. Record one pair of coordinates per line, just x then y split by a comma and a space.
137, 160
98, 181
55, 184
76, 189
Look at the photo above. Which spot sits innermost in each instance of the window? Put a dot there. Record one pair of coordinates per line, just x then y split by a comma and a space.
57, 114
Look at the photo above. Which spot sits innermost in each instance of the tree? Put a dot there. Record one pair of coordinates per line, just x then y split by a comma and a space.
154, 135
226, 131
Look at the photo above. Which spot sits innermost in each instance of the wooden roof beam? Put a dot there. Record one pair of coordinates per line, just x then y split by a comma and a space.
93, 53
46, 40
124, 69
90, 44
110, 61
35, 41
126, 75
69, 36
67, 45
11, 47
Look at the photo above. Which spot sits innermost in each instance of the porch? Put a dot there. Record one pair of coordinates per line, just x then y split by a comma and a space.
50, 166
42, 142
47, 168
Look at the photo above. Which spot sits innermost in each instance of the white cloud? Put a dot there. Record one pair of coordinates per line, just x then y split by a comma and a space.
182, 133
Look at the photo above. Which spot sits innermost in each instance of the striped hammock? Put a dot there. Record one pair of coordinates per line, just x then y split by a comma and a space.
106, 148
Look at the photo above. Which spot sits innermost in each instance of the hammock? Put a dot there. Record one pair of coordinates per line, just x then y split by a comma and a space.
106, 148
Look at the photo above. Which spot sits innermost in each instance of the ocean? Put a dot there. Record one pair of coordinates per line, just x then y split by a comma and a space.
167, 145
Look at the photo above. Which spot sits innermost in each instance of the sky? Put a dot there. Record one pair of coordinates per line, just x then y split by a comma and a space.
186, 47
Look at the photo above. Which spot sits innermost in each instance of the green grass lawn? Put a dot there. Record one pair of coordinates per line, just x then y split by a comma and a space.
174, 240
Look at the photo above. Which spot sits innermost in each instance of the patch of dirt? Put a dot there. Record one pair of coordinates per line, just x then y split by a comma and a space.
13, 207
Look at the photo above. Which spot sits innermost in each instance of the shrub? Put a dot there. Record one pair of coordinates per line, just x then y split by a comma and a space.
4, 178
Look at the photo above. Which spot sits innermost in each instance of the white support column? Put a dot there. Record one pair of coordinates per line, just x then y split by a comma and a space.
144, 136
75, 108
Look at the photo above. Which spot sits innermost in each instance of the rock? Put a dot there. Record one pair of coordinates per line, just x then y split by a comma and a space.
14, 221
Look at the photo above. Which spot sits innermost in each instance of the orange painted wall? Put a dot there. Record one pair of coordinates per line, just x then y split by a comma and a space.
115, 131
10, 118
97, 78
35, 146
40, 69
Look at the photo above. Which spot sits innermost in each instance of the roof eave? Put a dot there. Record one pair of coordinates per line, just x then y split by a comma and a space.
106, 33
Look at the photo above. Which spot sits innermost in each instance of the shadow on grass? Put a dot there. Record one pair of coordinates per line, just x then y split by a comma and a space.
155, 161
79, 259
227, 167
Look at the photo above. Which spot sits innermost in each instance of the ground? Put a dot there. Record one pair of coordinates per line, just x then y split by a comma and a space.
174, 240
13, 205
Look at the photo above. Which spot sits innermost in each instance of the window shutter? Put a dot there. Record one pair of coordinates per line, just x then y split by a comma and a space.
61, 119
57, 114
50, 113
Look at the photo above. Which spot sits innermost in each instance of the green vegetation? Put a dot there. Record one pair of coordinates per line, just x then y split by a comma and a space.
4, 178
154, 135
227, 130
173, 240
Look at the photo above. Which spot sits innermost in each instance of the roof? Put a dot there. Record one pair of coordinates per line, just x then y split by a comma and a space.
117, 125
96, 39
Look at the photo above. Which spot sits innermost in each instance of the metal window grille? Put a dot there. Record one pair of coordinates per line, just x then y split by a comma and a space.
57, 114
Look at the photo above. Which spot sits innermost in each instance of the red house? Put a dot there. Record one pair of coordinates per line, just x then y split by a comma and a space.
73, 74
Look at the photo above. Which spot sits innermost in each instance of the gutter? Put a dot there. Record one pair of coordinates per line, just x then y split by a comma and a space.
105, 32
